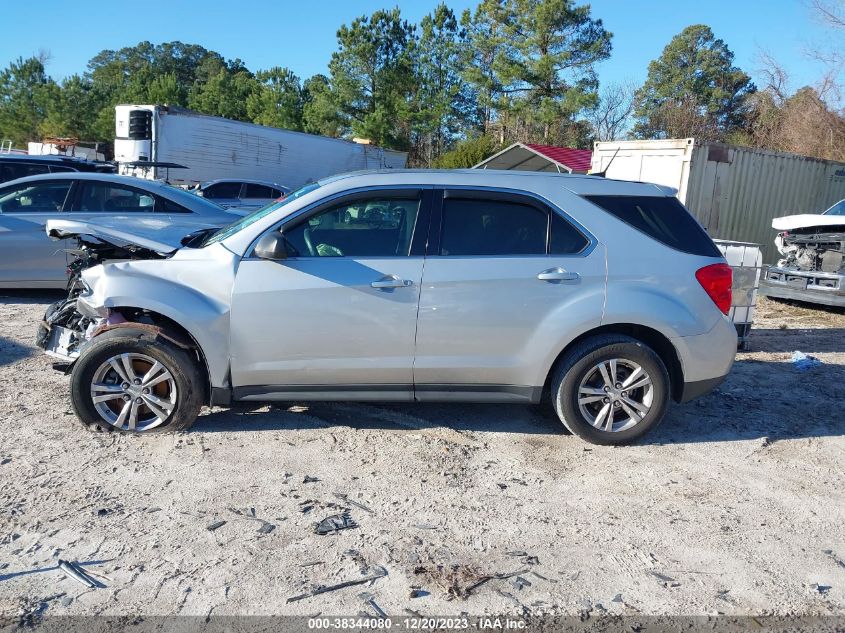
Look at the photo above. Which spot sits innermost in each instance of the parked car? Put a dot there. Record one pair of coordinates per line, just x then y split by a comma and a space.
604, 298
14, 166
29, 259
813, 264
242, 194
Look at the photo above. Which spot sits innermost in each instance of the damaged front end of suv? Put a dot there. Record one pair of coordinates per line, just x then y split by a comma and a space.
69, 324
65, 327
812, 268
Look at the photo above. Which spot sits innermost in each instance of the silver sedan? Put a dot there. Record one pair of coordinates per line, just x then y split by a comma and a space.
29, 259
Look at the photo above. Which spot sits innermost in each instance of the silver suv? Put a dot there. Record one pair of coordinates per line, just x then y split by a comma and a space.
604, 299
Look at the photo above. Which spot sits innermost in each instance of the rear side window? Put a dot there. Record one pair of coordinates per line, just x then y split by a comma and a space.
105, 197
662, 218
491, 227
222, 190
260, 191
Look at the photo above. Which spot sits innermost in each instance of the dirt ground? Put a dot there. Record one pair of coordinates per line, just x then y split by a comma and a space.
736, 504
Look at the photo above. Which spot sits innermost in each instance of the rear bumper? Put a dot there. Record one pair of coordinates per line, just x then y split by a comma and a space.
693, 390
803, 285
706, 359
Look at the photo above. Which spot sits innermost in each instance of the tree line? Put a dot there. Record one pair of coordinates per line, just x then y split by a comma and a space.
449, 90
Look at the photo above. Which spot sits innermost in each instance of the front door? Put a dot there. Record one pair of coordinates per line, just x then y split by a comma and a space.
28, 258
336, 319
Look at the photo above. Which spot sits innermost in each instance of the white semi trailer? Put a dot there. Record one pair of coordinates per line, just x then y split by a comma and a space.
151, 139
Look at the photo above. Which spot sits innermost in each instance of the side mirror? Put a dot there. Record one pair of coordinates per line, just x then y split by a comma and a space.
272, 246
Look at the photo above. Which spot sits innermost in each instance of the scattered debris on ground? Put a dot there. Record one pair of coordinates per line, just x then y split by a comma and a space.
334, 523
803, 362
716, 511
75, 571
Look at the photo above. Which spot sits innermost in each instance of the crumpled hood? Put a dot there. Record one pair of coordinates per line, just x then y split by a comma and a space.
805, 220
162, 235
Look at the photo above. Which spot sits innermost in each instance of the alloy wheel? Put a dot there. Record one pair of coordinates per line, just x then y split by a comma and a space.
133, 392
615, 395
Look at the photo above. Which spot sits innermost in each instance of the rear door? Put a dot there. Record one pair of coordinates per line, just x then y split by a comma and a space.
503, 276
337, 318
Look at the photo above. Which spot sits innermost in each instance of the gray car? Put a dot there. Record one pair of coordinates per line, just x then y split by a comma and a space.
29, 259
604, 299
243, 195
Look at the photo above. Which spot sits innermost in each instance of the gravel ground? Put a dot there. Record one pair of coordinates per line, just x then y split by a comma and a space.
736, 504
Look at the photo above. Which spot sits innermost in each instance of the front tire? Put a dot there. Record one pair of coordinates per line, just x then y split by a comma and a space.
611, 390
129, 380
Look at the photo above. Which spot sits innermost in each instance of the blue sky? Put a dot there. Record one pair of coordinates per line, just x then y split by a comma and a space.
301, 36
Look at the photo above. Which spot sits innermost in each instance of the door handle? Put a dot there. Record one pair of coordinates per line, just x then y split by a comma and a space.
557, 274
391, 281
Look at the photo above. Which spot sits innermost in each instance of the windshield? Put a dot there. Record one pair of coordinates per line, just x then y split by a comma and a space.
264, 211
837, 209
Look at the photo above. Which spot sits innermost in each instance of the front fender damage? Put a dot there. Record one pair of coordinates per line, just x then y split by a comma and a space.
183, 300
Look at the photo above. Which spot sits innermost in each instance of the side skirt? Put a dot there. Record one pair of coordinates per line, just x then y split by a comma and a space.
390, 393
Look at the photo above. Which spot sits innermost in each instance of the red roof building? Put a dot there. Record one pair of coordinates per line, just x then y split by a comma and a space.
533, 157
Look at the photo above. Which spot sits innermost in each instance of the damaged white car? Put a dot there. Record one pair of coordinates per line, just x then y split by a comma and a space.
813, 264
605, 299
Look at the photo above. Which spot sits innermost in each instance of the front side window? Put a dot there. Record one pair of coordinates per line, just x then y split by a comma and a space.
373, 227
258, 214
222, 191
492, 227
38, 197
106, 197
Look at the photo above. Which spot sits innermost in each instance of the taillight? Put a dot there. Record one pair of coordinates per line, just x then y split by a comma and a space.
717, 280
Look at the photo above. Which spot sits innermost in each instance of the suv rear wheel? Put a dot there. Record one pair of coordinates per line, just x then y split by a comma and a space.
129, 380
611, 389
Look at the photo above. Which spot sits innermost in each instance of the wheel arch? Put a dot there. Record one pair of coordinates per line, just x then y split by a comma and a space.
169, 329
656, 340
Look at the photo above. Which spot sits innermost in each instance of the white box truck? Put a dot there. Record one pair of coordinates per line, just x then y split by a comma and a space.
151, 140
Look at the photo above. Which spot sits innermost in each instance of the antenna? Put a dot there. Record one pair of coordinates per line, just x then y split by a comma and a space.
603, 172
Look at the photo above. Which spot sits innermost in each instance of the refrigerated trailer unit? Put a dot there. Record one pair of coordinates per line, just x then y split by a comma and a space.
735, 192
187, 148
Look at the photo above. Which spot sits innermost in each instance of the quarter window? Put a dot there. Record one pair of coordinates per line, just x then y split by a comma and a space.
491, 227
104, 197
34, 197
375, 227
662, 218
168, 206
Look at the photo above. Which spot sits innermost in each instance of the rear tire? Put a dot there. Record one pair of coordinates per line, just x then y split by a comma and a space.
610, 409
142, 384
